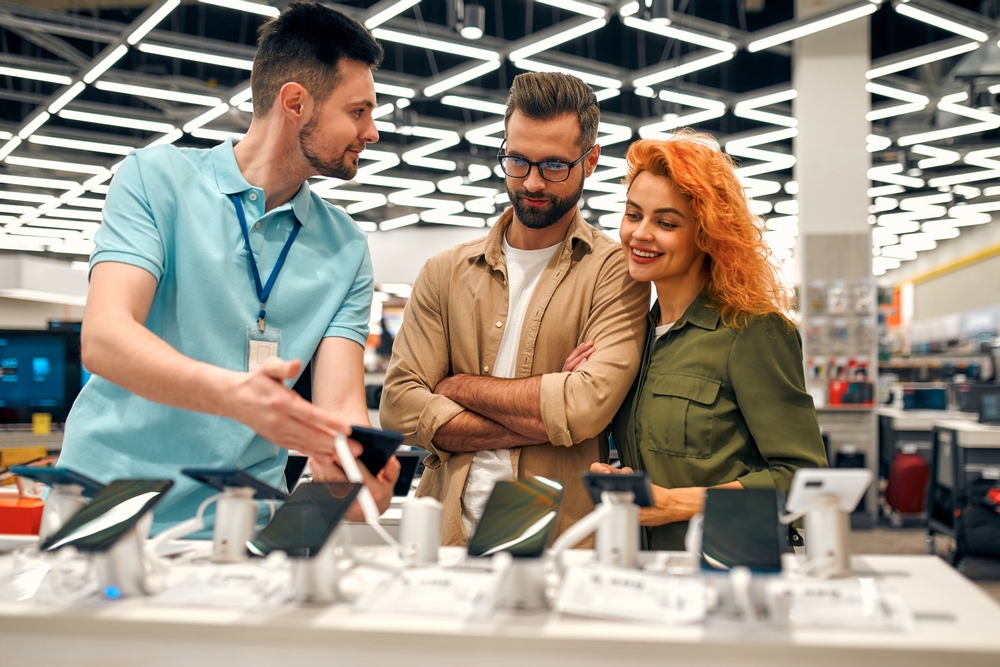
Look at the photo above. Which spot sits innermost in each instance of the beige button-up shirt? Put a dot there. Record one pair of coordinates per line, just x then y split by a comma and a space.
450, 328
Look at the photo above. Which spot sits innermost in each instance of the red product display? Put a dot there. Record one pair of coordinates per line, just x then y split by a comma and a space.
907, 486
837, 390
20, 516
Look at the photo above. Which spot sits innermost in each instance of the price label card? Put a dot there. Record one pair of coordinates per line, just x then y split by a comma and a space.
855, 604
433, 591
632, 595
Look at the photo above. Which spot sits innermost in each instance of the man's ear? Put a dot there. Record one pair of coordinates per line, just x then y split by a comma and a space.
294, 102
590, 162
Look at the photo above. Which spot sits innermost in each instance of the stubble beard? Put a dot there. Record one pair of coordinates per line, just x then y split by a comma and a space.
535, 217
343, 168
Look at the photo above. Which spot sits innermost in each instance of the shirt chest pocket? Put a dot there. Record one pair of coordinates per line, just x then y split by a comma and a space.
681, 415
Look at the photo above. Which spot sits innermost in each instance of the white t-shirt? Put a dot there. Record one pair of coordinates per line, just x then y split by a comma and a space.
524, 269
662, 329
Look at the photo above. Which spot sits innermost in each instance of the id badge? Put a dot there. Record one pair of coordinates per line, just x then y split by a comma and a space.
261, 346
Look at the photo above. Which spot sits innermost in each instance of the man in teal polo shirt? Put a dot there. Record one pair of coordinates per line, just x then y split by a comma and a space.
187, 333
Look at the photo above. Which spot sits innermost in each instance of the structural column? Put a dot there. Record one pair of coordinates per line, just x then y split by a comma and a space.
833, 253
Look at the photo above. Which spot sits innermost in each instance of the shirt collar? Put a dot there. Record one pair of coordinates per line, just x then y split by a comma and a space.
230, 180
492, 250
700, 313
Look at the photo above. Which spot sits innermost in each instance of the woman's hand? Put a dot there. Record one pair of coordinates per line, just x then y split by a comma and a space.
579, 355
669, 505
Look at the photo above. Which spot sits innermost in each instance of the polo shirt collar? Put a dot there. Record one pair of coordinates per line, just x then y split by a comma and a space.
230, 180
492, 249
700, 313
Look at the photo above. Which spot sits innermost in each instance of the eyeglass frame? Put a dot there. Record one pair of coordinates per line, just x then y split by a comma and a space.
538, 165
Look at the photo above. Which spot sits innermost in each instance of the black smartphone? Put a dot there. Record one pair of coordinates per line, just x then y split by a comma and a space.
303, 524
221, 478
111, 513
407, 469
58, 476
378, 446
742, 528
636, 482
520, 518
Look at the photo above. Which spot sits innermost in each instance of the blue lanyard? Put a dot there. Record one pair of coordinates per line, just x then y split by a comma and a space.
263, 291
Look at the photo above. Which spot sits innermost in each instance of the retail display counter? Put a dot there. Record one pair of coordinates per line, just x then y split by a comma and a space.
955, 623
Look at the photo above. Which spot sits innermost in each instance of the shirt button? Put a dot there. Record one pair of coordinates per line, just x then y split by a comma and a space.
253, 196
486, 369
499, 324
257, 226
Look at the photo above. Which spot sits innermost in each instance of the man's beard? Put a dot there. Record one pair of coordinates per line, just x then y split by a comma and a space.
341, 168
540, 217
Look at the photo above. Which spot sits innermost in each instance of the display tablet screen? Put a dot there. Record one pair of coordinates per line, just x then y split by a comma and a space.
303, 524
113, 511
742, 528
520, 518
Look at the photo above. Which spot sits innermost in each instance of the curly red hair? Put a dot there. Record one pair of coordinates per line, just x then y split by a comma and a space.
742, 280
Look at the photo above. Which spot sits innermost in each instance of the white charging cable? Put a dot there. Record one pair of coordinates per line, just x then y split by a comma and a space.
573, 535
365, 499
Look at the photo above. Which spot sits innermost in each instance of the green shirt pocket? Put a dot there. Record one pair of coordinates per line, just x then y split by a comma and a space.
681, 416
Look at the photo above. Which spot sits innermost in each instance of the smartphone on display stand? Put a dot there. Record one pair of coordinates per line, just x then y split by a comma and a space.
111, 513
636, 482
303, 524
222, 478
407, 469
742, 528
378, 446
520, 518
58, 477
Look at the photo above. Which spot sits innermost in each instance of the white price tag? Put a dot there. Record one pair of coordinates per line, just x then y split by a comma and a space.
855, 604
632, 595
432, 591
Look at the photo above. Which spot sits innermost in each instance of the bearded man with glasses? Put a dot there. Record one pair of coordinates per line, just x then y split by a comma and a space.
516, 349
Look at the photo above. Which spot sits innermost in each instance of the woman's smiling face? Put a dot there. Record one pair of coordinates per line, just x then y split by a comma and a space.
658, 232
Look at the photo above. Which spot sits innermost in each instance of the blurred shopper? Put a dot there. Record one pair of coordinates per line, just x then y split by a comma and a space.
214, 267
482, 373
720, 400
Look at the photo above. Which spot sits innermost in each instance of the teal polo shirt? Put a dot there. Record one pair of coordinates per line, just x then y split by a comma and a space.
169, 212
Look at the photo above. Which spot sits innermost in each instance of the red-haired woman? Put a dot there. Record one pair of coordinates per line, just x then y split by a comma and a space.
720, 399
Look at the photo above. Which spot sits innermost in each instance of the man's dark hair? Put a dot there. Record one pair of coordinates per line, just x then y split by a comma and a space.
305, 44
546, 95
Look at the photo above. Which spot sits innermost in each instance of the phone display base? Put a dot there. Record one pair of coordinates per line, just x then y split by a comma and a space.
617, 538
120, 570
235, 523
315, 580
828, 548
63, 502
524, 585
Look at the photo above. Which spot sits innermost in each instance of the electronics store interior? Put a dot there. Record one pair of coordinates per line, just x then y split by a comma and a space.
255, 461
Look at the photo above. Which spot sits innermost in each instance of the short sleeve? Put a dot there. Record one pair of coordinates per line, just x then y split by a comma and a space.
352, 318
128, 231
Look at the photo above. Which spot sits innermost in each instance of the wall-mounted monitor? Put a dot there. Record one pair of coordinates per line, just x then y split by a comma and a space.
40, 371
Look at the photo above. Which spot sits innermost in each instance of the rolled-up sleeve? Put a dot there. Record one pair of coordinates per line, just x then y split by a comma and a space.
419, 361
765, 367
579, 405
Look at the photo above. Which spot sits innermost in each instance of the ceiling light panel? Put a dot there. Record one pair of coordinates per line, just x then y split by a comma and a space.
154, 20
916, 61
673, 32
389, 12
117, 121
421, 42
260, 9
812, 27
158, 94
196, 56
938, 21
36, 75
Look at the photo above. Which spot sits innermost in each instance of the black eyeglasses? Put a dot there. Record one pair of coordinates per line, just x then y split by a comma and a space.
555, 171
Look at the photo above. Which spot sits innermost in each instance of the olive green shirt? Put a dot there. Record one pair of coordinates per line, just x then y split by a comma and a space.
713, 404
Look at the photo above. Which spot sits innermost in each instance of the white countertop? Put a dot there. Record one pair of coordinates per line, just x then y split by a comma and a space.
923, 420
955, 624
973, 434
